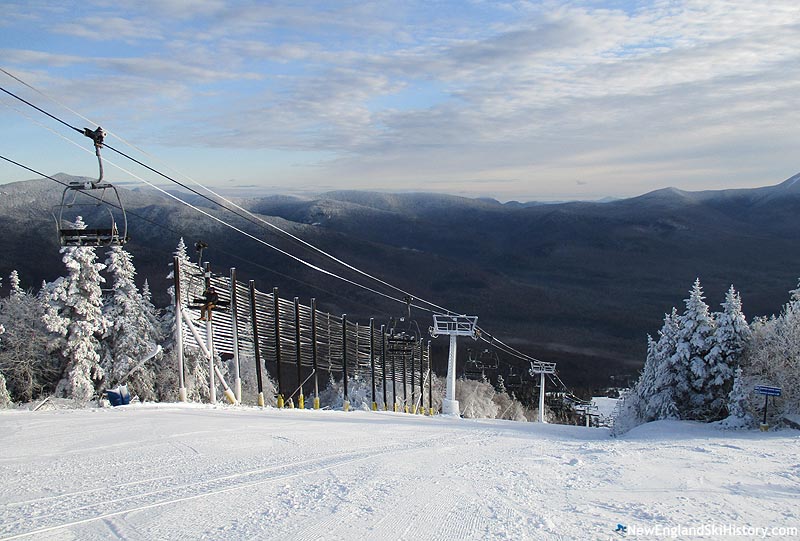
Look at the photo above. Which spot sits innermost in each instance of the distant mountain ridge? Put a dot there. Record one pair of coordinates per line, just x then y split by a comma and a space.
579, 283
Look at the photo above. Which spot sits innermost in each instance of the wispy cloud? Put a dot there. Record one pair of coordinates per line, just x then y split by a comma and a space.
691, 93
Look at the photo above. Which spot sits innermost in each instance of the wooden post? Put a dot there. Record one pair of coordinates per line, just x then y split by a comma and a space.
394, 383
277, 311
176, 275
372, 361
430, 379
314, 351
300, 398
346, 405
411, 373
256, 345
383, 366
212, 386
237, 380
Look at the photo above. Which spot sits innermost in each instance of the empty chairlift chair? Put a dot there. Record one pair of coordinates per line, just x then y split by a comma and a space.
103, 221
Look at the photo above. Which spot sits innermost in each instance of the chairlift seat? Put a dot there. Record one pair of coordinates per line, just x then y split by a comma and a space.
91, 237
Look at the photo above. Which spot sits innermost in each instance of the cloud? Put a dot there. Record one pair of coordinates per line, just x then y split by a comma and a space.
542, 93
100, 28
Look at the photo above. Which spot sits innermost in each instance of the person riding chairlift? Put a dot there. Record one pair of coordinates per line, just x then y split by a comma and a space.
211, 298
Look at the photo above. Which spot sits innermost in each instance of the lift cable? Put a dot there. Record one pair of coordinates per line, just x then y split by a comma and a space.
492, 340
215, 218
222, 251
228, 202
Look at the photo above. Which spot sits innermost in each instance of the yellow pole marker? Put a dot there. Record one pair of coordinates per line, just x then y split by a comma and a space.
346, 405
374, 406
261, 400
316, 402
280, 401
230, 396
301, 402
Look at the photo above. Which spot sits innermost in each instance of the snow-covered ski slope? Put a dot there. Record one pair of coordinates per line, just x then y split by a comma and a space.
199, 472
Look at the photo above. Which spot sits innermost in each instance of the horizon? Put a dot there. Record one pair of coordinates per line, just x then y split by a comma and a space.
539, 101
270, 191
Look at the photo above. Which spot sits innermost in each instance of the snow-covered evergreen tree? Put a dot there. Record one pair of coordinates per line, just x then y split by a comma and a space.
739, 415
249, 377
74, 316
667, 378
731, 334
5, 397
475, 399
195, 364
134, 330
773, 357
501, 384
693, 344
509, 408
29, 368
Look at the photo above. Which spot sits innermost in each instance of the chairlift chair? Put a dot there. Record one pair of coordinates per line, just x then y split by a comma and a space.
98, 202
473, 369
514, 380
100, 205
489, 360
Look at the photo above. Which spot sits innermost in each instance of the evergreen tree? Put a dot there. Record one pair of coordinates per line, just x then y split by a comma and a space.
668, 377
728, 341
74, 315
501, 384
5, 398
195, 369
773, 357
476, 399
738, 402
134, 329
29, 369
693, 344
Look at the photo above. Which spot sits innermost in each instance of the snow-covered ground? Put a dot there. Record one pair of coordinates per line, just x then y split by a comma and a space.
200, 472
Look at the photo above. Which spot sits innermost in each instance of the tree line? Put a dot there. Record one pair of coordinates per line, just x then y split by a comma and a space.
704, 365
94, 329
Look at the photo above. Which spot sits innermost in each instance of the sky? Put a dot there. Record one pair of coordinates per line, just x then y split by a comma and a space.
543, 100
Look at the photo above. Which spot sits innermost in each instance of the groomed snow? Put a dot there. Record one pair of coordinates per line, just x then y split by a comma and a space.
200, 472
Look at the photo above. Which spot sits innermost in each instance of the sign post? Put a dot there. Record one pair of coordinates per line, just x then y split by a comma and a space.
767, 392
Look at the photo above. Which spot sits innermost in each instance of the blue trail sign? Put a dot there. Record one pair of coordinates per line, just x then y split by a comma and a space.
768, 391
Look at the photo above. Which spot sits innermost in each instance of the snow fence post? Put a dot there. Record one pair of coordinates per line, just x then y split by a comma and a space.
212, 386
277, 312
176, 275
394, 382
421, 407
300, 398
372, 360
256, 345
383, 366
314, 351
411, 374
404, 366
237, 380
346, 395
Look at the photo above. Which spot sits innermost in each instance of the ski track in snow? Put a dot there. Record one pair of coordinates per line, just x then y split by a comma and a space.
188, 472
